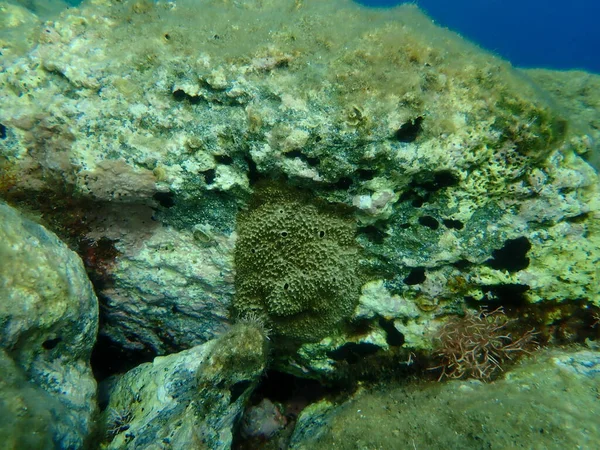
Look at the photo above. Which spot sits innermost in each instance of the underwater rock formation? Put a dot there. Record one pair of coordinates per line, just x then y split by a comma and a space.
190, 399
577, 93
465, 182
168, 288
547, 402
49, 318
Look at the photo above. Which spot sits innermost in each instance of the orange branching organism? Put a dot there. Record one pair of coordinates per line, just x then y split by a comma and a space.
478, 344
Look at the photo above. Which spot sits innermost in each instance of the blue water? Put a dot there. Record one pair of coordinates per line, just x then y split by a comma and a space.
529, 33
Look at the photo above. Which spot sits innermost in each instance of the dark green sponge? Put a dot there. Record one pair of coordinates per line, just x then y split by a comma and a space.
296, 263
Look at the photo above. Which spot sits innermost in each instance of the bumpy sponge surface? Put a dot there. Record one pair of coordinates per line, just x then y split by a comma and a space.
296, 264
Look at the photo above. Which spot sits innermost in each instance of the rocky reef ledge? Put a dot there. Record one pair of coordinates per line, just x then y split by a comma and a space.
367, 191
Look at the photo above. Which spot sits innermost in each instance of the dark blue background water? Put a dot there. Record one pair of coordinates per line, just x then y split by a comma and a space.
529, 33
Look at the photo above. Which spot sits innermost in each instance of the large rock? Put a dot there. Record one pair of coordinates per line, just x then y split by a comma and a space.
190, 399
26, 410
549, 402
49, 322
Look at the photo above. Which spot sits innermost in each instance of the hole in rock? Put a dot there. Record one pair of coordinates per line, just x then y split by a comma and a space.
435, 181
209, 176
291, 395
165, 199
353, 352
49, 344
429, 222
366, 174
310, 160
512, 256
253, 174
224, 159
509, 296
392, 336
453, 224
410, 130
180, 95
373, 234
109, 358
238, 389
416, 276
343, 183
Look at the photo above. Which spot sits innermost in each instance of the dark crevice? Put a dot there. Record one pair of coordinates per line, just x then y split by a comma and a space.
223, 159
49, 344
2, 131
361, 327
512, 256
435, 181
462, 264
310, 160
109, 358
373, 234
238, 389
165, 199
410, 130
425, 184
412, 196
429, 222
291, 395
253, 175
343, 183
453, 224
392, 336
353, 352
417, 201
416, 276
578, 219
366, 174
508, 296
209, 176
282, 387
180, 95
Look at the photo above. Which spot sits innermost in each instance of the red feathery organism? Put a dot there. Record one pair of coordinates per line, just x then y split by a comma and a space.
478, 344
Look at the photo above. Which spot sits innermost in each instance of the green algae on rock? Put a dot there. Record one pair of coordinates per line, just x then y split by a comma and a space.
296, 262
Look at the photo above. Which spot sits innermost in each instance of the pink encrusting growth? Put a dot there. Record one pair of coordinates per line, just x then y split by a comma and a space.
478, 344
